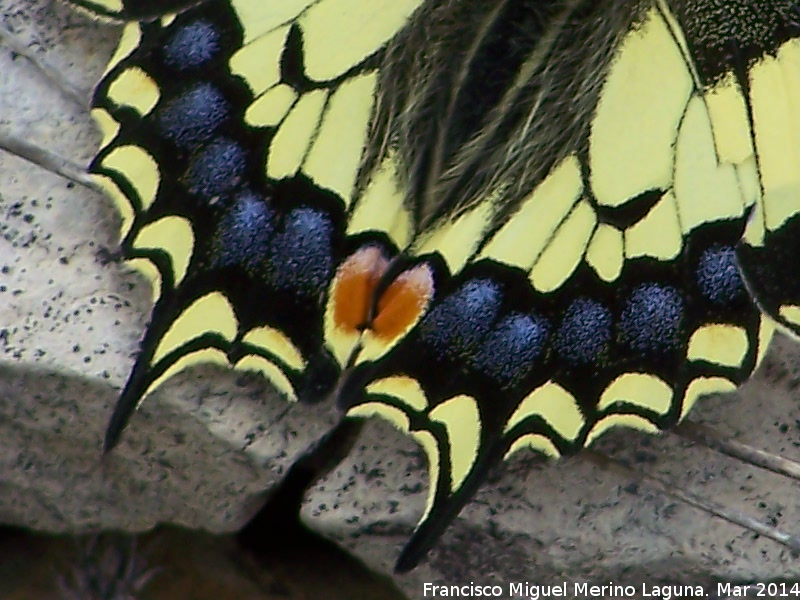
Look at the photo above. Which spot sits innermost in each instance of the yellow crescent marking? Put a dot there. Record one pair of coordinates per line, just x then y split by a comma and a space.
109, 5
424, 438
205, 356
766, 329
611, 421
271, 372
121, 202
642, 389
719, 344
555, 405
133, 87
139, 168
536, 442
703, 386
276, 342
404, 388
109, 128
128, 42
790, 313
150, 272
174, 236
210, 314
461, 418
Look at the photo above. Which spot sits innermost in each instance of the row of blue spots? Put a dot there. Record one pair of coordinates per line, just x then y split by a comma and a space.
509, 351
192, 46
457, 325
718, 275
297, 258
293, 254
217, 169
300, 257
193, 117
650, 322
243, 233
584, 332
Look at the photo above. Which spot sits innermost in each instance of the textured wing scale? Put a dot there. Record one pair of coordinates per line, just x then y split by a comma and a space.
769, 250
611, 297
218, 143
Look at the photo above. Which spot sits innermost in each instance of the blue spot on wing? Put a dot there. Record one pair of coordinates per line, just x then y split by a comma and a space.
457, 325
243, 233
584, 333
508, 353
300, 258
194, 116
216, 169
192, 46
718, 275
652, 319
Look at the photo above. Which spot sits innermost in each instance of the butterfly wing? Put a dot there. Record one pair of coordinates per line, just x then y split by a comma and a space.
233, 134
768, 251
611, 296
296, 219
132, 9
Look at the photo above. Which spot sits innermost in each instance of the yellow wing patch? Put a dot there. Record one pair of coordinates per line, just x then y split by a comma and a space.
563, 255
349, 110
659, 234
606, 252
522, 239
634, 129
290, 144
272, 107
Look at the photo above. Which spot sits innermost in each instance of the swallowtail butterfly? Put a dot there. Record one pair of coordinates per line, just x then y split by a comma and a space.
499, 225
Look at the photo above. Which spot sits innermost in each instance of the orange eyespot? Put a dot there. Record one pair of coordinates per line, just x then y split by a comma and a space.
354, 288
403, 303
363, 323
